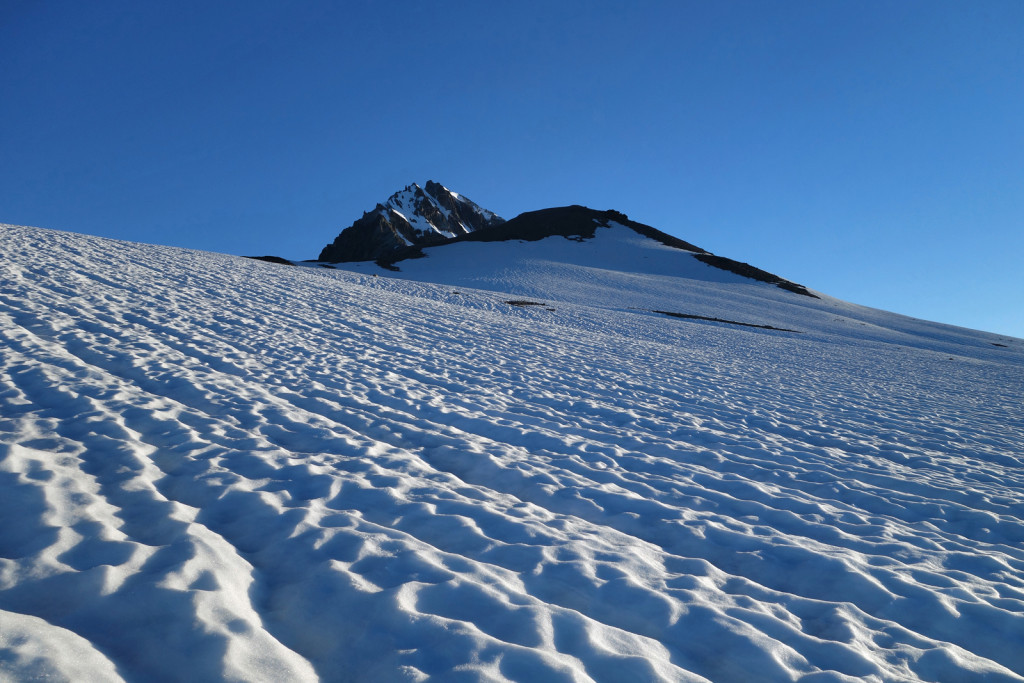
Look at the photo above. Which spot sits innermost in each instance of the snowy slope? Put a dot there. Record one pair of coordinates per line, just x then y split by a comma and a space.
621, 270
218, 468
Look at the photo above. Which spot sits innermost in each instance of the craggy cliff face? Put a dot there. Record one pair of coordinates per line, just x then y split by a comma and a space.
415, 216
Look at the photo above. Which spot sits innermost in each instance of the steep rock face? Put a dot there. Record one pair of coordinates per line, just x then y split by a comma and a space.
414, 216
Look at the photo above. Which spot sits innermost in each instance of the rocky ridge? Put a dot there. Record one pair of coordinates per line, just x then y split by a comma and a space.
413, 217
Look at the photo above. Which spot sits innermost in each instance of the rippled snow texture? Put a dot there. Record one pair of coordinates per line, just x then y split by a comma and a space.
217, 468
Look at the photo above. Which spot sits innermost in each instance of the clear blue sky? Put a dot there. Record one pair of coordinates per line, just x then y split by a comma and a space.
873, 150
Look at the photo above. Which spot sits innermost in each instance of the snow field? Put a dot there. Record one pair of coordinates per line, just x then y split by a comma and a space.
215, 468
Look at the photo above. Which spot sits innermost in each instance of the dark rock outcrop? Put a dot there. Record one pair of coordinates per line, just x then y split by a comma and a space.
272, 259
687, 316
749, 271
413, 217
573, 222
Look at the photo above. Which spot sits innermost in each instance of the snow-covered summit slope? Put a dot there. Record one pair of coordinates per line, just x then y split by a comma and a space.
218, 468
620, 270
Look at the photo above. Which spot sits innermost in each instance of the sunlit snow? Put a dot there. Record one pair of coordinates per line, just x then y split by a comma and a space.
218, 468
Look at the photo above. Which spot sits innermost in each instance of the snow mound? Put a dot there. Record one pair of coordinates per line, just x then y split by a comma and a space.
219, 468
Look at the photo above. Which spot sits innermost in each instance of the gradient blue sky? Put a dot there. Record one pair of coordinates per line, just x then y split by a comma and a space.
871, 150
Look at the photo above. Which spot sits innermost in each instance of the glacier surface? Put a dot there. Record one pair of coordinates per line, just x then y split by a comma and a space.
215, 468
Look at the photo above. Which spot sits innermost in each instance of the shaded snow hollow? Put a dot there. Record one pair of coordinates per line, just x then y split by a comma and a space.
218, 468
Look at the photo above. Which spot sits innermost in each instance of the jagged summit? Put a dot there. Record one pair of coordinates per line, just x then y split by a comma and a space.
413, 216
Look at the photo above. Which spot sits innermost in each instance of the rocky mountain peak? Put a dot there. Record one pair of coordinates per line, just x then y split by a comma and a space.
413, 216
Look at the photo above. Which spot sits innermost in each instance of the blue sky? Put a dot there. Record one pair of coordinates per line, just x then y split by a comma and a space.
871, 150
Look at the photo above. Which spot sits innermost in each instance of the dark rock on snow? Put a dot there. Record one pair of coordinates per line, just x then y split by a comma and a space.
272, 259
749, 271
573, 222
